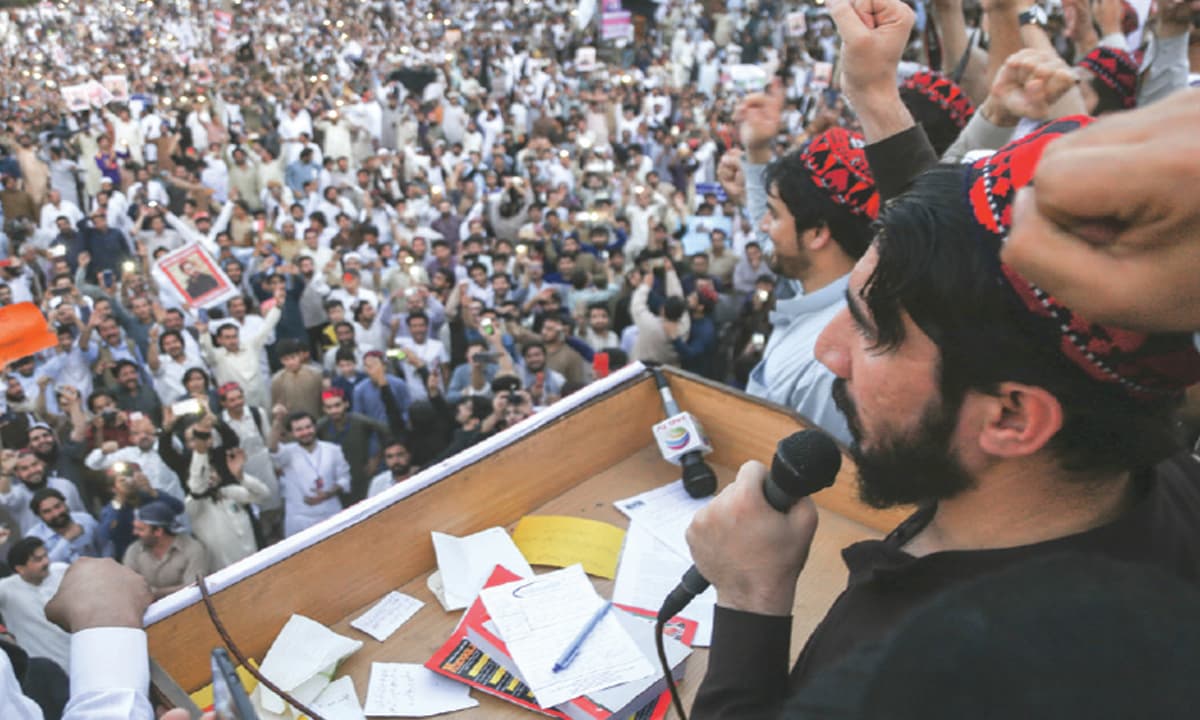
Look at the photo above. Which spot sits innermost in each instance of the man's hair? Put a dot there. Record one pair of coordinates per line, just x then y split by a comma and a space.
416, 315
934, 266
299, 415
599, 306
395, 442
345, 354
290, 346
22, 550
811, 207
169, 333
40, 496
96, 395
674, 308
531, 345
121, 364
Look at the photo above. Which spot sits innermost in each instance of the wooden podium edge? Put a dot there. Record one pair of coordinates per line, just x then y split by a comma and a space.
298, 575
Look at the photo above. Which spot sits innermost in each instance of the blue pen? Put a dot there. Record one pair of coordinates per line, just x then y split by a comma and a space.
572, 650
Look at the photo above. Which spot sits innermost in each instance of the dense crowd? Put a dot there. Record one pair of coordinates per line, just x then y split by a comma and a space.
425, 221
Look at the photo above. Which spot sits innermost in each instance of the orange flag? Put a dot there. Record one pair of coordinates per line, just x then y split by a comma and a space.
23, 331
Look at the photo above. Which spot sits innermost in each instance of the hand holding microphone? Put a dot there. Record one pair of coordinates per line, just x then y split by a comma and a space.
752, 540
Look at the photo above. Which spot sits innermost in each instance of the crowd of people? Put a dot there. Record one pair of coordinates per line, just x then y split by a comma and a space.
426, 221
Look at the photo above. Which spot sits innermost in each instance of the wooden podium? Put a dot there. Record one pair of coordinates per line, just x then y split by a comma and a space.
574, 458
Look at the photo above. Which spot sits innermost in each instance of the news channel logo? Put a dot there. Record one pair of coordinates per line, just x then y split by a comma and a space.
678, 438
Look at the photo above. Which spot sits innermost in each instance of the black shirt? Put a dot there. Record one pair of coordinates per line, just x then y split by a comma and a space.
747, 677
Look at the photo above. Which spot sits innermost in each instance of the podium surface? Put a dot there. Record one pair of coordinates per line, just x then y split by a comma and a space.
574, 458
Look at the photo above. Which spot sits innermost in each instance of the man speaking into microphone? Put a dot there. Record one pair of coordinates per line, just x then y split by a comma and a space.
1018, 428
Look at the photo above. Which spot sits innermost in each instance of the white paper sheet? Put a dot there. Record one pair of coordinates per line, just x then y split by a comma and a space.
539, 618
667, 511
650, 570
409, 690
303, 650
339, 701
466, 563
387, 615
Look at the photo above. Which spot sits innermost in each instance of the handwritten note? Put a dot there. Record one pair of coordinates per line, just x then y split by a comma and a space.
339, 701
466, 563
667, 512
560, 541
541, 617
387, 615
409, 690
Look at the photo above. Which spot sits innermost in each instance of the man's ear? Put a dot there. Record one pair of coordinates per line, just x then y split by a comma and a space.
1019, 420
817, 238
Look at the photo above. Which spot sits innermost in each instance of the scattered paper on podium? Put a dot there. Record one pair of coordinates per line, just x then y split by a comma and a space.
559, 541
302, 661
539, 618
387, 615
466, 563
667, 511
409, 690
339, 701
650, 570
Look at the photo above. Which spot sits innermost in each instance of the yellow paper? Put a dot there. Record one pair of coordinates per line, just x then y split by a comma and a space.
204, 696
560, 541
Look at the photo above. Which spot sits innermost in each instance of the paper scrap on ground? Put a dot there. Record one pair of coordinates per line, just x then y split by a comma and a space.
339, 701
387, 615
304, 654
466, 563
649, 570
539, 618
667, 512
559, 541
410, 690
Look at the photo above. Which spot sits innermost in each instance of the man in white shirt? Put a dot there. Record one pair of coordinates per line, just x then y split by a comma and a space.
25, 476
250, 425
68, 536
23, 598
399, 468
143, 452
422, 351
235, 361
55, 208
168, 362
312, 472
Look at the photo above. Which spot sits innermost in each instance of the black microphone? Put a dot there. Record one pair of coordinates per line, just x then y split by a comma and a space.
699, 480
804, 463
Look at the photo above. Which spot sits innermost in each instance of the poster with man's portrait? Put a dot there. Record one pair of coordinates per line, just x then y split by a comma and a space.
76, 97
192, 273
117, 86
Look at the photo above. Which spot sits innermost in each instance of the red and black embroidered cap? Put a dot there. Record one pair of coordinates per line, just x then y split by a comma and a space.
1144, 366
837, 162
1117, 69
943, 92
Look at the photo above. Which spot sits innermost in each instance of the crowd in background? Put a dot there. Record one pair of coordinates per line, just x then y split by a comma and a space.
439, 217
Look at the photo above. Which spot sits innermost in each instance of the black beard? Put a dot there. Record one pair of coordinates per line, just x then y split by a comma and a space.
399, 470
918, 468
61, 522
